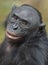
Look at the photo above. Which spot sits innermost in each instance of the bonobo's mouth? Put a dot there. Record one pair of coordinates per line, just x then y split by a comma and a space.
12, 36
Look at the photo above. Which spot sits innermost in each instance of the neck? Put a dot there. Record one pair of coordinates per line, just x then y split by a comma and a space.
14, 42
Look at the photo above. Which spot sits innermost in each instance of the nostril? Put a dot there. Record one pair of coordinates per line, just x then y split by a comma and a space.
15, 26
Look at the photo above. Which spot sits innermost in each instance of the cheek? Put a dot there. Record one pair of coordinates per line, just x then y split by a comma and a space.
9, 28
25, 31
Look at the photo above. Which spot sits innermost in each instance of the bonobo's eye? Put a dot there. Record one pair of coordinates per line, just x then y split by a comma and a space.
24, 22
15, 17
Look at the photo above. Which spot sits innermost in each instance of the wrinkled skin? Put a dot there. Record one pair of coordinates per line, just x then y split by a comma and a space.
20, 23
25, 40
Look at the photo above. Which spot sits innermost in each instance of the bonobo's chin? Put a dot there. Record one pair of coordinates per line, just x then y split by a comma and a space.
13, 37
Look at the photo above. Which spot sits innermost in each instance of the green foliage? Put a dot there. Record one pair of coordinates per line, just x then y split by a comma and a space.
2, 33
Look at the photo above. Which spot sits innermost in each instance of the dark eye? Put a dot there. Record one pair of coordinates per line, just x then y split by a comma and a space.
14, 16
24, 22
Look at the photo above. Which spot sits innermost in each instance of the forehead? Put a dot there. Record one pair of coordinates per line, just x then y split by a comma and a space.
27, 13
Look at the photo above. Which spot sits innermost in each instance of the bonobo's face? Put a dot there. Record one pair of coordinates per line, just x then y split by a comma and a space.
22, 22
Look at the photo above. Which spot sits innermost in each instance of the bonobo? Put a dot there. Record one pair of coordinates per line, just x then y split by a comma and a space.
25, 40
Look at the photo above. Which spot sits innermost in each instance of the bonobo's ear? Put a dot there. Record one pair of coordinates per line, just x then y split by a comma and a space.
42, 28
42, 25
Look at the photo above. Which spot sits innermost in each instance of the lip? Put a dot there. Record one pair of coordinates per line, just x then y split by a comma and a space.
11, 36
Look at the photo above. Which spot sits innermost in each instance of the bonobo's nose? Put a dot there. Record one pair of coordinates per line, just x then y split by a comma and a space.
15, 26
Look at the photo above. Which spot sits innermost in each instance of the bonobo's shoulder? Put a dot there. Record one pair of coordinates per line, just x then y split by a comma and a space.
31, 53
38, 43
44, 39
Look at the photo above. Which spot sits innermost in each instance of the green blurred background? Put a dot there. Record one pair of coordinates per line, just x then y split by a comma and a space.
6, 6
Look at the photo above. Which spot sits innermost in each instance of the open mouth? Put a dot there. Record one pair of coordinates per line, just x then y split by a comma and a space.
11, 36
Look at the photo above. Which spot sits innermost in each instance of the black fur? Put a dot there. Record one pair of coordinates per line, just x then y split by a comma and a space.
29, 51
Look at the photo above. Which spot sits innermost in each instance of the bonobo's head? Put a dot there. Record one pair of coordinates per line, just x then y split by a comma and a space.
22, 22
